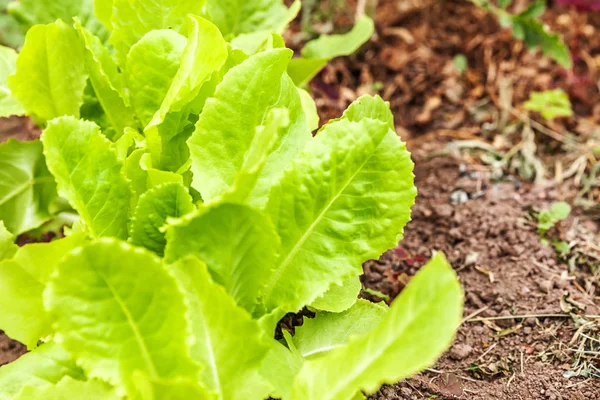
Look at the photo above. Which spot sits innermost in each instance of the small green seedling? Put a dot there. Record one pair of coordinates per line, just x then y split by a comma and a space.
550, 104
460, 63
548, 218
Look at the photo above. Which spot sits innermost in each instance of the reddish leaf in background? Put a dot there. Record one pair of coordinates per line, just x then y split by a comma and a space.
582, 5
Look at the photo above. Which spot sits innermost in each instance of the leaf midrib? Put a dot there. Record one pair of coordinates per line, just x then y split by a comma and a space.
23, 187
133, 325
284, 265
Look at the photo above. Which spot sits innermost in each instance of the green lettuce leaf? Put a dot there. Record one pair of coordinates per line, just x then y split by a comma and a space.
8, 65
88, 174
237, 17
238, 244
310, 109
419, 326
170, 200
147, 388
280, 366
26, 187
344, 200
118, 311
227, 126
319, 335
50, 75
107, 81
103, 11
152, 65
34, 12
23, 280
339, 298
213, 316
256, 156
131, 20
317, 53
8, 248
68, 389
42, 368
204, 54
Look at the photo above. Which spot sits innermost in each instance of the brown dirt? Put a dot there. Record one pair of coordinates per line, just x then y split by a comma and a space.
505, 271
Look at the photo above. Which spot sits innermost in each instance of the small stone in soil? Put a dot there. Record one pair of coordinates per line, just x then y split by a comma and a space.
460, 351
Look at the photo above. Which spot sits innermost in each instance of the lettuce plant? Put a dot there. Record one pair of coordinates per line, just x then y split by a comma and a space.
207, 211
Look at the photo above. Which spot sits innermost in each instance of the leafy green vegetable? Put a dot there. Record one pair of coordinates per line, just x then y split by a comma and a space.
339, 298
7, 246
50, 75
317, 53
34, 12
328, 330
232, 240
228, 124
42, 368
130, 21
550, 103
213, 315
429, 307
322, 219
107, 81
26, 187
68, 388
118, 310
8, 64
170, 200
23, 280
88, 175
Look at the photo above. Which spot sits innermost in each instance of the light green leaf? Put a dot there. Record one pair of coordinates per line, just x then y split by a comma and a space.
214, 316
330, 46
319, 335
256, 156
34, 12
103, 10
131, 20
238, 244
151, 67
172, 389
302, 70
373, 107
22, 280
318, 52
69, 389
205, 53
344, 200
170, 200
8, 248
26, 187
419, 326
8, 65
535, 34
280, 366
560, 210
310, 109
51, 74
106, 80
339, 298
236, 17
88, 174
118, 311
44, 367
227, 126
550, 103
